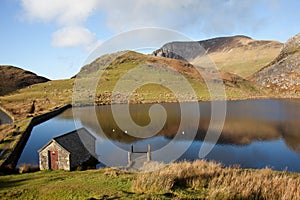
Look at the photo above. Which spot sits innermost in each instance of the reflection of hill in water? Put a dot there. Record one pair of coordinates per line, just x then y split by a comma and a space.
291, 134
237, 130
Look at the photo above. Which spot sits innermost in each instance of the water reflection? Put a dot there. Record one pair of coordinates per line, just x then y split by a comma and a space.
256, 134
246, 122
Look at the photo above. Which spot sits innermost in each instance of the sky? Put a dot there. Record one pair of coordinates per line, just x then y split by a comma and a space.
52, 38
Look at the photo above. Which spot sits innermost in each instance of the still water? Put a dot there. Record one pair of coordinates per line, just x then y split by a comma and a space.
4, 118
256, 133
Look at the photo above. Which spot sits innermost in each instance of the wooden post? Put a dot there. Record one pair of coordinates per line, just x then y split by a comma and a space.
129, 158
148, 153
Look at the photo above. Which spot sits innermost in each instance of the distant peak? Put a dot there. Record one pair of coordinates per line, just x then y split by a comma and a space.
242, 36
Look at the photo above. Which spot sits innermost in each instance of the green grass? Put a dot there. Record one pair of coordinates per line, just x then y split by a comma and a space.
91, 184
246, 69
47, 96
64, 185
56, 90
197, 180
244, 61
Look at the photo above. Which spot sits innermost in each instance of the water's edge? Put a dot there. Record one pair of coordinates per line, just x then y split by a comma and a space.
5, 117
12, 158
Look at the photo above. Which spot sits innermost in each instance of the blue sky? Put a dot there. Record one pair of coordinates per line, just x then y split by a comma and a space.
53, 37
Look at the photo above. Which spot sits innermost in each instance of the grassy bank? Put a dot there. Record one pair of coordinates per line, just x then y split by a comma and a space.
46, 97
12, 149
197, 180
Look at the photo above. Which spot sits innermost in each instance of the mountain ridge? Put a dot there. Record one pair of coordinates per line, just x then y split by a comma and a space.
239, 54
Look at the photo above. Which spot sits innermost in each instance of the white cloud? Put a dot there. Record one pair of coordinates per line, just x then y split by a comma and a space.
65, 12
69, 14
203, 17
211, 17
73, 36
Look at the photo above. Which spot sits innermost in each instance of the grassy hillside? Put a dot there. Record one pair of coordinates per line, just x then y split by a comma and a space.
239, 55
236, 87
13, 78
197, 180
248, 58
59, 92
49, 95
46, 96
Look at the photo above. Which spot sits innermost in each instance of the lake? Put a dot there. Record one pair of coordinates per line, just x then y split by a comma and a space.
256, 133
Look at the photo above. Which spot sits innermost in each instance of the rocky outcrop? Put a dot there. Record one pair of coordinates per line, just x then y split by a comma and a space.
190, 50
282, 75
102, 62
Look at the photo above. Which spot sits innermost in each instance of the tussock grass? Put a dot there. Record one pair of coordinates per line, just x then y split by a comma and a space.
183, 174
212, 181
249, 184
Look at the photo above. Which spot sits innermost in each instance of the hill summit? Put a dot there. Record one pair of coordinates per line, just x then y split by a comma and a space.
239, 54
14, 78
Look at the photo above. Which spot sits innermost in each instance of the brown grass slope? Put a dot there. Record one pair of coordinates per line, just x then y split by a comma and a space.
120, 64
55, 93
240, 55
13, 78
282, 75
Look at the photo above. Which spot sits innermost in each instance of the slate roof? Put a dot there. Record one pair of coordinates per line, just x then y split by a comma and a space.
72, 143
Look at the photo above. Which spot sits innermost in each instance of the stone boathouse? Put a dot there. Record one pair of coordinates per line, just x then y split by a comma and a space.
69, 151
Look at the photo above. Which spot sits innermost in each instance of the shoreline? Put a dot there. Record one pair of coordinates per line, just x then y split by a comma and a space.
11, 159
5, 116
198, 101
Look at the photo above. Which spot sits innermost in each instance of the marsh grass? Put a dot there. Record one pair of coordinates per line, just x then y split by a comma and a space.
184, 174
210, 180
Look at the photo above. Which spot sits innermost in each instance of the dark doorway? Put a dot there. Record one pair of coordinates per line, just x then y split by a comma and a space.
53, 160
